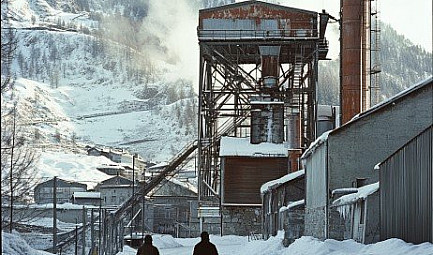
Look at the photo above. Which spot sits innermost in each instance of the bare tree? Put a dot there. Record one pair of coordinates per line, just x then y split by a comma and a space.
17, 157
9, 44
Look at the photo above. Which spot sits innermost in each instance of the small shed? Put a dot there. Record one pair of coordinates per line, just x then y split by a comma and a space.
358, 209
86, 198
245, 167
278, 197
174, 205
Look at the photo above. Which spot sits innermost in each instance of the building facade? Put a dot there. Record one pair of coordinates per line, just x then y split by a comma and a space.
339, 158
43, 192
115, 191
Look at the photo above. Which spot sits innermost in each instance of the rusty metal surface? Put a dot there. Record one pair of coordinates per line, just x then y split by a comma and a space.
256, 19
351, 59
355, 51
257, 11
243, 177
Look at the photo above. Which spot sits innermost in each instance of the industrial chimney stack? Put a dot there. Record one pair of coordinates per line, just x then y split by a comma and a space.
355, 58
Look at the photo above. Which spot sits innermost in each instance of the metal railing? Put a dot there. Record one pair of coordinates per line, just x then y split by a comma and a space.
231, 34
113, 221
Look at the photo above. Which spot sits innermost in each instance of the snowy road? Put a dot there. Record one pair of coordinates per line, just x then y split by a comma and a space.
187, 250
13, 244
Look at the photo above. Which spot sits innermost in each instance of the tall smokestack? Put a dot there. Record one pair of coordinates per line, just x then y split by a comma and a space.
355, 58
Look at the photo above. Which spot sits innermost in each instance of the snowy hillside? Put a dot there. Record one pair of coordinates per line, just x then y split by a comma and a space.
88, 88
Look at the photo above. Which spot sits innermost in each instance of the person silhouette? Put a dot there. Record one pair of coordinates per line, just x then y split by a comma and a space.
147, 248
205, 247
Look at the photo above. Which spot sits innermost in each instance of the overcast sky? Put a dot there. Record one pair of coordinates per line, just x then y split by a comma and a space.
412, 18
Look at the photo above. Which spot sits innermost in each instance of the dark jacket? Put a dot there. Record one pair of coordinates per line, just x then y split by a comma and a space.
205, 248
147, 249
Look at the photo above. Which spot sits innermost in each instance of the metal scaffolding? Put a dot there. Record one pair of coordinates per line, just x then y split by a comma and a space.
229, 77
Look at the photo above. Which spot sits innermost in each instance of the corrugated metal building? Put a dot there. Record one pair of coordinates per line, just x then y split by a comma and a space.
341, 157
406, 191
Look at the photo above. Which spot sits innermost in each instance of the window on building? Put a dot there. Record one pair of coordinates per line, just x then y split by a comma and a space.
167, 213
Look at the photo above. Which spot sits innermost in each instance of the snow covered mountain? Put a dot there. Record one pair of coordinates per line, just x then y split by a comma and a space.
81, 82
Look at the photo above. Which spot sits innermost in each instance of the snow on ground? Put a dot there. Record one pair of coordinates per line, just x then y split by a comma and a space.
48, 223
237, 245
13, 244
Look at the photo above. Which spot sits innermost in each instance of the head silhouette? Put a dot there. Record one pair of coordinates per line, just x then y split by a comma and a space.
204, 236
148, 239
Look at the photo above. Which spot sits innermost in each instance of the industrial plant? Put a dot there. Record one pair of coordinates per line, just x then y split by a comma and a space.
268, 157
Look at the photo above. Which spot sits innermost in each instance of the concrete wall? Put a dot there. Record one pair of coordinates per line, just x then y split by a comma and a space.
355, 150
293, 222
315, 222
238, 220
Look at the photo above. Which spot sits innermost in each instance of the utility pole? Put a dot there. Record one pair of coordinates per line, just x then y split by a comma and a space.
100, 227
76, 238
142, 209
83, 233
11, 173
133, 194
92, 231
55, 214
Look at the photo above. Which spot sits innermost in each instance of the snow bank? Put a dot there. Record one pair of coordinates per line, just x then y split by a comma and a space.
286, 178
308, 245
13, 244
165, 241
272, 246
241, 147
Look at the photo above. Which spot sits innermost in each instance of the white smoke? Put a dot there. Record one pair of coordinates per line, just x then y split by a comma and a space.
171, 37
